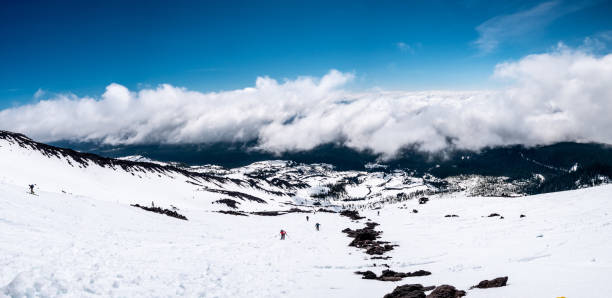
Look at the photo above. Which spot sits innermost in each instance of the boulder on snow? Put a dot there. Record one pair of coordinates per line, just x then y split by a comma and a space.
423, 200
352, 214
376, 250
451, 215
229, 202
159, 210
446, 291
522, 215
415, 211
418, 273
371, 225
390, 278
232, 213
367, 274
390, 275
365, 234
380, 258
494, 283
409, 291
493, 215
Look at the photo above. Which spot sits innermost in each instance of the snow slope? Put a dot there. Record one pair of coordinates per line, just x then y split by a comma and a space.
73, 246
64, 245
23, 163
79, 237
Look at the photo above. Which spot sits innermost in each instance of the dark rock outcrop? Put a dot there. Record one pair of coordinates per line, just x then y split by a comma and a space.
228, 202
493, 283
354, 215
168, 212
367, 274
390, 275
409, 291
232, 213
446, 291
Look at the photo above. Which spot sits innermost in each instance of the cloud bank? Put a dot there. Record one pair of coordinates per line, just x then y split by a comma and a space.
564, 95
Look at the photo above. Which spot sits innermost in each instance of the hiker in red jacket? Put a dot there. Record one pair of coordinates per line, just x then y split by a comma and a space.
283, 233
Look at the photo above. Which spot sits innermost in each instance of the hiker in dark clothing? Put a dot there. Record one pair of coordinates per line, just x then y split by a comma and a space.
307, 218
31, 188
317, 225
283, 233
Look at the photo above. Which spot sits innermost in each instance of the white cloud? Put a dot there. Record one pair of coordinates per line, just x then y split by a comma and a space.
404, 47
564, 95
39, 93
503, 28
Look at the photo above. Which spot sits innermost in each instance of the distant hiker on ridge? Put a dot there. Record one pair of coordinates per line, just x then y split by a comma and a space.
283, 233
32, 188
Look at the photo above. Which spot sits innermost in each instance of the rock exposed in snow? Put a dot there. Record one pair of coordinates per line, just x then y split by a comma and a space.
409, 291
446, 291
493, 283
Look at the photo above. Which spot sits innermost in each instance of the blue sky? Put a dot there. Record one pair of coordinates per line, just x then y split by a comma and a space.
81, 47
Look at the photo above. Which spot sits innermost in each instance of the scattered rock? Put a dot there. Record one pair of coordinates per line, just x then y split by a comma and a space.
451, 215
365, 234
367, 274
390, 278
267, 213
493, 215
371, 225
376, 250
168, 212
354, 215
522, 215
326, 210
228, 202
409, 291
419, 273
390, 275
380, 258
277, 213
446, 291
494, 283
415, 211
232, 213
423, 200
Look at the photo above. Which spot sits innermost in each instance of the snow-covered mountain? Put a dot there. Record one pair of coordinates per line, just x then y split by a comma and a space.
79, 236
261, 186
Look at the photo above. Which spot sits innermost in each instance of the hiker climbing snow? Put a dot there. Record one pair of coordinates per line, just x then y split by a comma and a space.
317, 225
32, 188
283, 234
